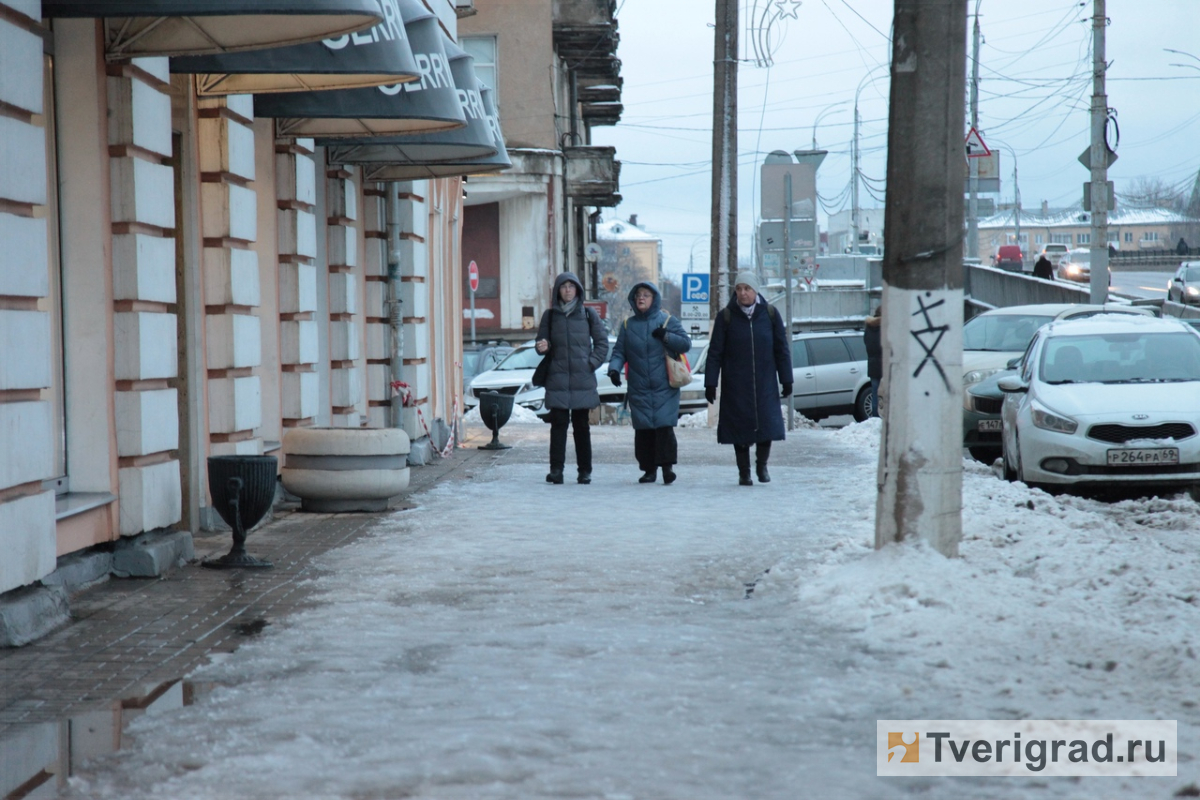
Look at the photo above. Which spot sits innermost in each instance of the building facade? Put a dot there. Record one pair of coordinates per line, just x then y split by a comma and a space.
1128, 229
557, 76
180, 279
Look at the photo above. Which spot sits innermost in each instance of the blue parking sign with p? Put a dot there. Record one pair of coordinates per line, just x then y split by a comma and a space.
695, 287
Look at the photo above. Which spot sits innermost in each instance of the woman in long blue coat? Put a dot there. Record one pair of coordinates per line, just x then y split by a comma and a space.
751, 357
643, 343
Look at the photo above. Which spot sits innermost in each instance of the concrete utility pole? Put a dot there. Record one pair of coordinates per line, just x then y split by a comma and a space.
973, 175
1099, 158
723, 262
920, 456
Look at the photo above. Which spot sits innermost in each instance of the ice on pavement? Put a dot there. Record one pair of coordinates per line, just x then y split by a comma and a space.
510, 639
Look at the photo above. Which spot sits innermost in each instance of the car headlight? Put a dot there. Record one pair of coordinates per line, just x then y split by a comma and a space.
976, 375
1049, 421
1193, 290
529, 387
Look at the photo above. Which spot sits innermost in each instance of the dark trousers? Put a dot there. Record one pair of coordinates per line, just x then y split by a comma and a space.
577, 418
655, 447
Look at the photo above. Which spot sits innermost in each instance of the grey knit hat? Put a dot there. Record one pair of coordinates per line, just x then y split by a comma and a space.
746, 278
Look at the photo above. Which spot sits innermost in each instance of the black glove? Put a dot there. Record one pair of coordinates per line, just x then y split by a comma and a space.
787, 390
659, 333
615, 377
710, 394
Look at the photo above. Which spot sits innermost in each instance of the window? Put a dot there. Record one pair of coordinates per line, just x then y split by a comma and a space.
1039, 239
1060, 238
483, 50
1129, 237
1113, 236
1083, 238
858, 349
829, 350
1150, 236
799, 354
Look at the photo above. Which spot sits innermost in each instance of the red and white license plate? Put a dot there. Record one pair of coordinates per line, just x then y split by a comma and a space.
990, 425
1144, 457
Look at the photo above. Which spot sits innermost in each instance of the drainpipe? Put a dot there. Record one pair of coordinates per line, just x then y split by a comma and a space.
395, 304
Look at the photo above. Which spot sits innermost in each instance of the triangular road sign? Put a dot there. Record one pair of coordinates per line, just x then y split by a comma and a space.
1085, 157
975, 146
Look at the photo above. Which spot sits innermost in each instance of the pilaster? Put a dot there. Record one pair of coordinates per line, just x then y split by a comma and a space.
295, 194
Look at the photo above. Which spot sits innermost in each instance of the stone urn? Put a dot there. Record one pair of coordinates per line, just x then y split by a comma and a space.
345, 469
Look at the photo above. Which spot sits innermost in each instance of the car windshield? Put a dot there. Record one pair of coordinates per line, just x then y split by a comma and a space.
1080, 257
1192, 275
1002, 332
1121, 358
521, 358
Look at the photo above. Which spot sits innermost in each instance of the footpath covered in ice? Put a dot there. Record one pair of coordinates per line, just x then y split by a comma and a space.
512, 639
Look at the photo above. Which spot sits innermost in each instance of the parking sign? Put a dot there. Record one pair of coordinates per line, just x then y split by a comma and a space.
695, 287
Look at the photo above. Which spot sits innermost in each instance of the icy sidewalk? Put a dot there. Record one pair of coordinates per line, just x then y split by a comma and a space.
518, 640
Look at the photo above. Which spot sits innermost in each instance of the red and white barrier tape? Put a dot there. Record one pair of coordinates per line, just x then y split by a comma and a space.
404, 391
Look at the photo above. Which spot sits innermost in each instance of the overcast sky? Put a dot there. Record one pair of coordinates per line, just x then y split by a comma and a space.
1035, 91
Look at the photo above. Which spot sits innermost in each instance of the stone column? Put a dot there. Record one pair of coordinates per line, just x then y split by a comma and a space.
296, 197
414, 282
27, 531
145, 330
376, 311
345, 333
231, 278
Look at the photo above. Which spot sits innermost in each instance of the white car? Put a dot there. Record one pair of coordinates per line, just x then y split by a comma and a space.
514, 373
1112, 399
994, 338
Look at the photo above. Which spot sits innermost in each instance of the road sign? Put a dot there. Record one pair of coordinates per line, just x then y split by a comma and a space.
804, 235
975, 146
694, 311
988, 170
592, 251
695, 287
1085, 157
473, 276
1108, 193
599, 306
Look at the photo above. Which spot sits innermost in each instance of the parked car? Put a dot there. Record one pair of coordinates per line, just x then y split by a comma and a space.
1009, 257
482, 357
514, 371
1185, 284
1111, 400
992, 343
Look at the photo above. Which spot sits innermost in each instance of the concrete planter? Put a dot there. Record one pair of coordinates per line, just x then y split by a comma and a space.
345, 469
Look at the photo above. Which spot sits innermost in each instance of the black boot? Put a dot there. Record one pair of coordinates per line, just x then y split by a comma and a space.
743, 464
760, 457
649, 476
585, 476
555, 476
668, 474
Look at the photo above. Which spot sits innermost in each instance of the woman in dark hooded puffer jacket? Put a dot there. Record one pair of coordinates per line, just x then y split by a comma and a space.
577, 344
644, 342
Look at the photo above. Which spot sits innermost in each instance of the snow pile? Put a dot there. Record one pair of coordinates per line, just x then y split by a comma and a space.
520, 416
697, 420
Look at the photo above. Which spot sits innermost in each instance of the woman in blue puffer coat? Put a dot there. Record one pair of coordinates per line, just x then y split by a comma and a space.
643, 343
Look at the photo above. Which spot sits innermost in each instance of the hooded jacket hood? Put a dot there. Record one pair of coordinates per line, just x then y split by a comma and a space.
655, 303
562, 278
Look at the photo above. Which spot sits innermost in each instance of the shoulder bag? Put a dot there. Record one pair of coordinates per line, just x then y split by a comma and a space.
542, 371
679, 372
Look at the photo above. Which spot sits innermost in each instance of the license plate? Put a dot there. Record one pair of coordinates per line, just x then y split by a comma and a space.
991, 425
1144, 457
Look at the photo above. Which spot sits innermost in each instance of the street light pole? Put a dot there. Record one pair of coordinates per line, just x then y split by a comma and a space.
854, 155
973, 163
821, 116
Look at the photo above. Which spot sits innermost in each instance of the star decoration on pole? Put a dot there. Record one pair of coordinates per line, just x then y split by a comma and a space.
787, 9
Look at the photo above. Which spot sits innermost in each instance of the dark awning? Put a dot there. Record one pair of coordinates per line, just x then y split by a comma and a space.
401, 167
476, 140
136, 28
352, 61
421, 106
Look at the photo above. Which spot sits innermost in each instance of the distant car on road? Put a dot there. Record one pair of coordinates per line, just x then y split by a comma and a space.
1110, 400
1009, 257
1185, 285
1054, 251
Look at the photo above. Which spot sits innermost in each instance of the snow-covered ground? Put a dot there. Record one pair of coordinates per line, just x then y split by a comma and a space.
511, 639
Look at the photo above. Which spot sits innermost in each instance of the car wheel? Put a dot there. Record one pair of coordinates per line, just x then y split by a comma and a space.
862, 404
1010, 474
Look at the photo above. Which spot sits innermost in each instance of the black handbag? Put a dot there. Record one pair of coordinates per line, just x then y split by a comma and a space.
542, 371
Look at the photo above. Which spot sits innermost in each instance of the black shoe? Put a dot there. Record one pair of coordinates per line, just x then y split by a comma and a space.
584, 477
763, 475
744, 478
668, 475
555, 476
649, 476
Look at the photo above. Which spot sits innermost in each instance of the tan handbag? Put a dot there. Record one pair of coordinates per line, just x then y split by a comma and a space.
679, 371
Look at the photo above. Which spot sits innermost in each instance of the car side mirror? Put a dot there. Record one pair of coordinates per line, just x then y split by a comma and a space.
1012, 385
1014, 363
